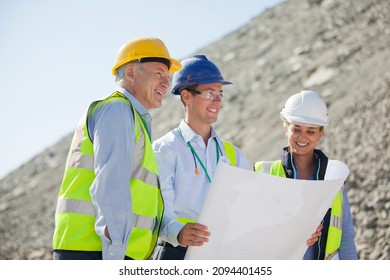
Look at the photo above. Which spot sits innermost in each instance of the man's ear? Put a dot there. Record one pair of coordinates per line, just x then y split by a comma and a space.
130, 71
185, 96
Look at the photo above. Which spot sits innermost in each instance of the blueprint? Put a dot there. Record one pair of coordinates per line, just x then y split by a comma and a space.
256, 216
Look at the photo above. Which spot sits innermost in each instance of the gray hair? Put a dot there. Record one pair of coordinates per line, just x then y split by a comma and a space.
121, 71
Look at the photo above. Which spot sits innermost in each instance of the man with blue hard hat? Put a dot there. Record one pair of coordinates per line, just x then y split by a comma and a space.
188, 155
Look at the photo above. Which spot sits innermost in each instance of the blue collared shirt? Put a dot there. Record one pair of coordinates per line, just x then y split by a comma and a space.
111, 128
183, 190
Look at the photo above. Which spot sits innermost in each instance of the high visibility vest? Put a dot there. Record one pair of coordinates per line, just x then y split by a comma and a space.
333, 241
231, 155
75, 214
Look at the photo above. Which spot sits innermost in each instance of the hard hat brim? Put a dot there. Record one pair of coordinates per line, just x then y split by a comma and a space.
175, 64
304, 121
176, 90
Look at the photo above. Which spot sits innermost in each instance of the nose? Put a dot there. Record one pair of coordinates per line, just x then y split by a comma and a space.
165, 81
217, 98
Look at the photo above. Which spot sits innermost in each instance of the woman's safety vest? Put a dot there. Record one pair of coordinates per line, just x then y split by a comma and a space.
75, 214
333, 241
231, 155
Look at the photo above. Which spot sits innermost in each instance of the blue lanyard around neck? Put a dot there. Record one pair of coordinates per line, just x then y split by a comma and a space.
195, 155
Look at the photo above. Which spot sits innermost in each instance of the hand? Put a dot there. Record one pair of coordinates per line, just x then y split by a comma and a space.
107, 233
193, 235
315, 236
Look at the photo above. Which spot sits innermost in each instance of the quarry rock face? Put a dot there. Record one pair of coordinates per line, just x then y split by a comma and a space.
340, 49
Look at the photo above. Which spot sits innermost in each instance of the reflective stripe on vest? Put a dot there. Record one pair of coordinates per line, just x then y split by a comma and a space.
335, 231
86, 208
75, 214
231, 155
335, 225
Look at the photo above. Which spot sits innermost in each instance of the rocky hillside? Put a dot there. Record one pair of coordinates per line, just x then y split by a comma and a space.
340, 49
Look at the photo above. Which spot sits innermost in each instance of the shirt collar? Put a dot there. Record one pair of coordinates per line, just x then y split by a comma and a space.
289, 164
134, 102
189, 134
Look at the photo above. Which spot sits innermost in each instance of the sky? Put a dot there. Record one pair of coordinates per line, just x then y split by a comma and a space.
56, 57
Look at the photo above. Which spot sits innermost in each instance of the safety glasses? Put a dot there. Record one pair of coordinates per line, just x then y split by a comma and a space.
208, 94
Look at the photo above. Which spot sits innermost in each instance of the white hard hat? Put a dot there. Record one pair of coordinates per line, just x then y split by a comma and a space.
305, 107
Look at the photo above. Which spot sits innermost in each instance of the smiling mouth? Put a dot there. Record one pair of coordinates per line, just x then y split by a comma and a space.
302, 144
212, 110
159, 92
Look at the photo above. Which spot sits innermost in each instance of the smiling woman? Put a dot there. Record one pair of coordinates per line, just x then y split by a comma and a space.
304, 117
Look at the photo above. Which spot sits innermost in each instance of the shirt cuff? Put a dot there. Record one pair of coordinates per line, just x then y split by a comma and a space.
174, 230
113, 252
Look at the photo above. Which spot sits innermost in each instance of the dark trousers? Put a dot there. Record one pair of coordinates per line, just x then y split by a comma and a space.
78, 255
166, 251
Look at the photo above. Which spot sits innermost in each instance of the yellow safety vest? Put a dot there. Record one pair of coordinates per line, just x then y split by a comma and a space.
335, 225
231, 155
75, 214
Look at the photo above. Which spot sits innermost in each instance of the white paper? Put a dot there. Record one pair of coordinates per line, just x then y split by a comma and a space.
258, 216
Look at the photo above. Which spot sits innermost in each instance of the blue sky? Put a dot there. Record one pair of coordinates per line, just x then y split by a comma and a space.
56, 57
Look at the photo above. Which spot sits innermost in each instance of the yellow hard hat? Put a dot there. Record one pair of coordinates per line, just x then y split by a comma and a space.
144, 48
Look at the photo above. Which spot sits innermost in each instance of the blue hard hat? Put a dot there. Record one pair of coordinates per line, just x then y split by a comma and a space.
196, 70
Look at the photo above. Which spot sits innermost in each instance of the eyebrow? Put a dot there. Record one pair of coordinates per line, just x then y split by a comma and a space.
161, 69
308, 127
210, 89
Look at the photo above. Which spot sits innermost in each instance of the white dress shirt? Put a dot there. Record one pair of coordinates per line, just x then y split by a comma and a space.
183, 190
